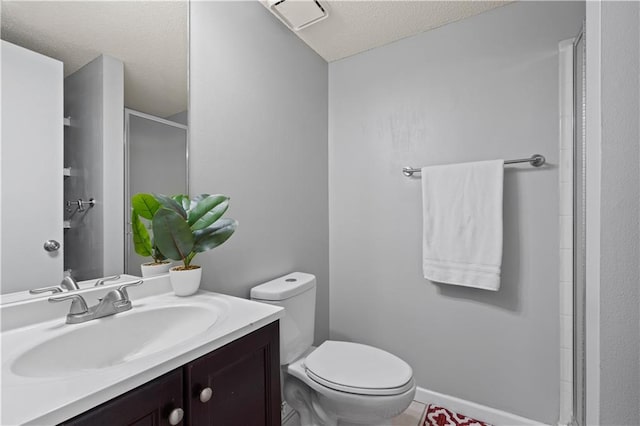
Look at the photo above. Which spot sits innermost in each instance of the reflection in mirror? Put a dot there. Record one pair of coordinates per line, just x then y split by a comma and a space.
156, 163
69, 70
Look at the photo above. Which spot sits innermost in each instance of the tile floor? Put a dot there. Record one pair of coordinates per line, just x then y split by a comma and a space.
413, 416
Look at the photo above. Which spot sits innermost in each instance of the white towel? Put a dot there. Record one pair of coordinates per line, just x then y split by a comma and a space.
462, 212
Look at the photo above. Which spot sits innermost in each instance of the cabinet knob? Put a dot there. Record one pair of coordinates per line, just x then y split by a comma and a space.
51, 245
175, 416
205, 394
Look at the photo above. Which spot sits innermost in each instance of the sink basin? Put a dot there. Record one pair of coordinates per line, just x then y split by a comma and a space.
113, 340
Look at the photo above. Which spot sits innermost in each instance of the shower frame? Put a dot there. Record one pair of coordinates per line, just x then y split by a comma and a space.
579, 228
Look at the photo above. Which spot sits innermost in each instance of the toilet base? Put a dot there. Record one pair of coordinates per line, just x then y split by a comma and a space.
306, 404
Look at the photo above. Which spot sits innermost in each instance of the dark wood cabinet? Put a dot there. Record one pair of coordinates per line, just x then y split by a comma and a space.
237, 384
244, 377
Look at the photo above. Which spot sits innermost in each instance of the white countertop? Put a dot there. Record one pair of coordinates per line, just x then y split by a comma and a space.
51, 400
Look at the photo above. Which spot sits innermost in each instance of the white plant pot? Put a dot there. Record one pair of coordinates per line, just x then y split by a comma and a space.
185, 283
153, 269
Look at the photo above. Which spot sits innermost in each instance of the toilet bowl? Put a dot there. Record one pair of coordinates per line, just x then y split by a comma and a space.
336, 383
357, 390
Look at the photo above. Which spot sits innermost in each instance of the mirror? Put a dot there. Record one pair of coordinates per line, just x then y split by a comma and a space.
123, 62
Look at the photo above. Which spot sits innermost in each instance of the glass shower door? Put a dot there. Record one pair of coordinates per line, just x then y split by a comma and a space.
156, 162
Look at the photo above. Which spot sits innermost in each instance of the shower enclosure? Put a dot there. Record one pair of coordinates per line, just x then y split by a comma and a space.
572, 194
157, 157
579, 226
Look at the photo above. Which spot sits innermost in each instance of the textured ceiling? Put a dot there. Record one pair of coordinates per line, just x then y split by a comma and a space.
355, 26
150, 37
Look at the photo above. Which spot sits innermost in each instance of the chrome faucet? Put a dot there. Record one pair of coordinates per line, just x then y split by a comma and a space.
68, 283
113, 302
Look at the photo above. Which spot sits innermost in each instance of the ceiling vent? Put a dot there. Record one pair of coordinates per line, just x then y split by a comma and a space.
298, 14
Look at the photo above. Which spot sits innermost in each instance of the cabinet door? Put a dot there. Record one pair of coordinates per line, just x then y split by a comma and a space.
244, 377
148, 405
32, 179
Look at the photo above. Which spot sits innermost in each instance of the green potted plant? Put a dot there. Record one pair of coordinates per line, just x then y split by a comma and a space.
145, 206
184, 227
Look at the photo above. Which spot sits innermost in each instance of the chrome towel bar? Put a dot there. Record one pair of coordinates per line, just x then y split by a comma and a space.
536, 160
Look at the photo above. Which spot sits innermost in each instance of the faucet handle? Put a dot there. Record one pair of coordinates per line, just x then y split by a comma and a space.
78, 306
69, 283
101, 281
123, 288
54, 289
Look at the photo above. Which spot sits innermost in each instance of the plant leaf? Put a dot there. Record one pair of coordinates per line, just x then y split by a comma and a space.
145, 205
170, 204
183, 200
207, 209
141, 240
172, 234
216, 234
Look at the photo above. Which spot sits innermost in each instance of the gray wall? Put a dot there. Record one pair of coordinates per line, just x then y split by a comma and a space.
94, 98
620, 215
482, 88
258, 133
112, 151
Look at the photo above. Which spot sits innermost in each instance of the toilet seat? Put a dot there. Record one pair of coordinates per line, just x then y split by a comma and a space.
358, 369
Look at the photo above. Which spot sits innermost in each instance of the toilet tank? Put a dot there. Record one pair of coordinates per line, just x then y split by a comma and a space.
296, 293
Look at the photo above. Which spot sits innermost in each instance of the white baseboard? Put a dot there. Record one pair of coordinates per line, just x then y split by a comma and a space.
472, 409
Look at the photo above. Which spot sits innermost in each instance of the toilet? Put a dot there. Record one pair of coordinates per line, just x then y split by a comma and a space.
336, 383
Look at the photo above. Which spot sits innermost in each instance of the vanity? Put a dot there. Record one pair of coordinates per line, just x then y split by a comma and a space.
200, 360
236, 384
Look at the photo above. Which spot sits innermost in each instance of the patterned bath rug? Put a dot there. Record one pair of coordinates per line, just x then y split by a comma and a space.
439, 416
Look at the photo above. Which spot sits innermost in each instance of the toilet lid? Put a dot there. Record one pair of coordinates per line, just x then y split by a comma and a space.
357, 368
